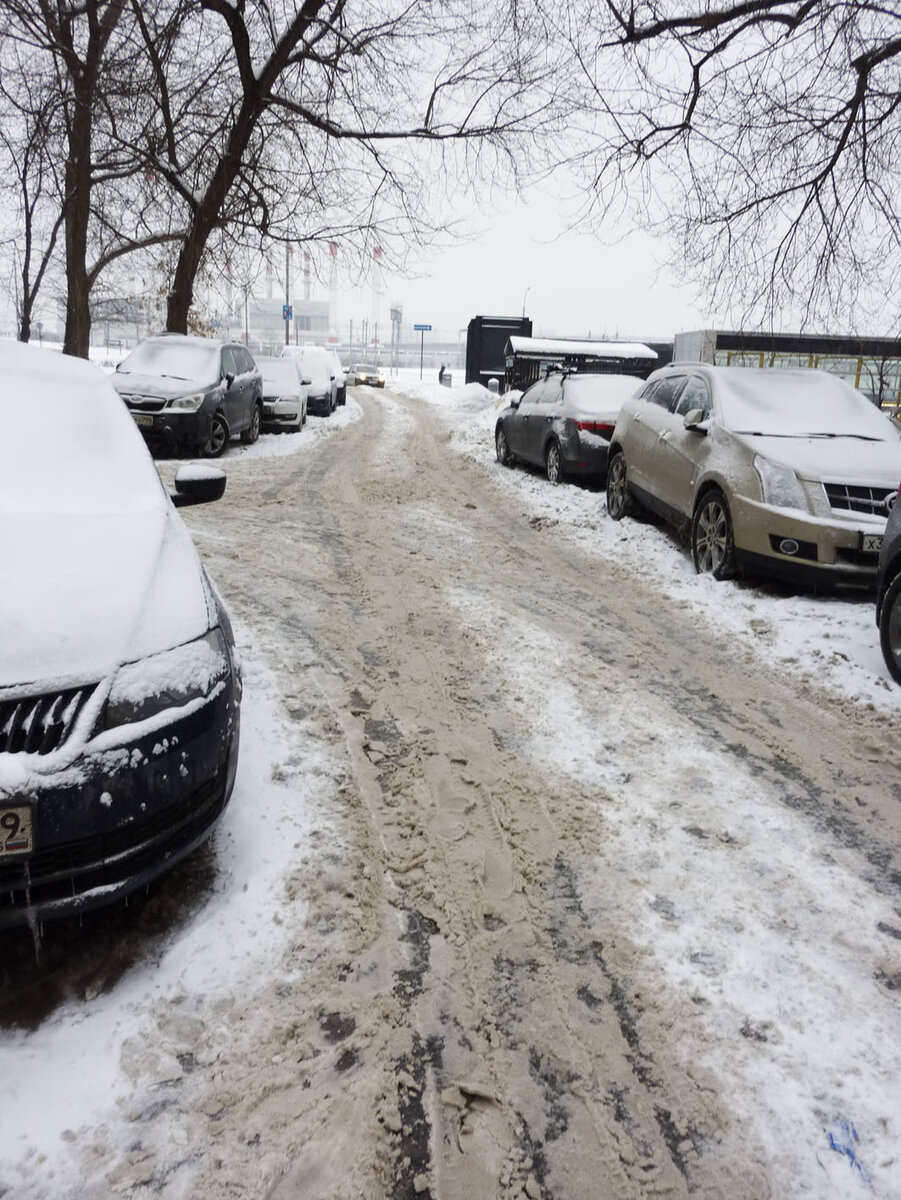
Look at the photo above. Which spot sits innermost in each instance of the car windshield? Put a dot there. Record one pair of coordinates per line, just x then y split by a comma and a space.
805, 403
364, 370
602, 394
279, 373
69, 445
173, 359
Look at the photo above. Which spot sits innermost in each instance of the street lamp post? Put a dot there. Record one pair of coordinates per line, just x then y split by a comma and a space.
525, 293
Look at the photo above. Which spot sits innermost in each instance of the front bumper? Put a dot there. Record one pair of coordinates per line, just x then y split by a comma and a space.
319, 405
281, 414
122, 817
174, 429
828, 549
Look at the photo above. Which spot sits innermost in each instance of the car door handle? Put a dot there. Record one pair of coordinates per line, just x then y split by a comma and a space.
664, 437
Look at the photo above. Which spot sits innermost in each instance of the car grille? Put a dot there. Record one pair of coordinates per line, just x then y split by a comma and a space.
40, 724
145, 403
105, 860
854, 498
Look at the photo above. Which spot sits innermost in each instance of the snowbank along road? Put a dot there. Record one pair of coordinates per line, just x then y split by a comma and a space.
588, 899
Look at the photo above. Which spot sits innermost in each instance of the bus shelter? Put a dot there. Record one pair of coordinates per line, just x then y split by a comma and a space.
526, 359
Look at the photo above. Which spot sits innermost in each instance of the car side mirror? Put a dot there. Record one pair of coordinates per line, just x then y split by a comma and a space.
696, 421
307, 382
229, 380
196, 483
515, 403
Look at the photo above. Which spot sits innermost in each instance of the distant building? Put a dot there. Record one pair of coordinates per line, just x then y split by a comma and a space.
871, 364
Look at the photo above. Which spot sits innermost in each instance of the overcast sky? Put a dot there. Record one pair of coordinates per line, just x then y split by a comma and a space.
572, 284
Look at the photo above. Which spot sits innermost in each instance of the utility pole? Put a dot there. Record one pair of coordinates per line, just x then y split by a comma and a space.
287, 295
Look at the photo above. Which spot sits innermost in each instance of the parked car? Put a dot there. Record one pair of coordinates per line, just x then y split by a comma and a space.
340, 378
563, 423
781, 471
285, 391
317, 366
368, 375
888, 591
119, 686
191, 393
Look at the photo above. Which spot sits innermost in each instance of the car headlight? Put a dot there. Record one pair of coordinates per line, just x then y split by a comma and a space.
171, 679
779, 485
188, 403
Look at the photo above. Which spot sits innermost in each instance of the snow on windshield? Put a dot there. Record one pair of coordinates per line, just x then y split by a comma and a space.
600, 393
280, 373
174, 358
798, 404
69, 444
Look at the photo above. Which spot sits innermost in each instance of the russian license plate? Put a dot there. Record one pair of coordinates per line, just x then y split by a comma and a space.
871, 543
16, 836
143, 419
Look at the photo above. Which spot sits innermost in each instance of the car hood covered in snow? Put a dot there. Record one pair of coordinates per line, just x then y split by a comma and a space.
97, 567
130, 384
837, 459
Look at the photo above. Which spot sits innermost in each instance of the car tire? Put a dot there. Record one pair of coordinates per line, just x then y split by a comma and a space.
890, 628
712, 541
502, 448
553, 462
219, 435
252, 433
619, 499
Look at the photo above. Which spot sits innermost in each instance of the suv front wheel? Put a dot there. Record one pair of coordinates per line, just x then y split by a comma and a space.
252, 433
890, 627
712, 542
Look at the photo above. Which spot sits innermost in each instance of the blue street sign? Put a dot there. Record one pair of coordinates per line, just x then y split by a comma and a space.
287, 312
418, 327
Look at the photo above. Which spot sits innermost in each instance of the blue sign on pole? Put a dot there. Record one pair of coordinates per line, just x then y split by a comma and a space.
287, 312
427, 328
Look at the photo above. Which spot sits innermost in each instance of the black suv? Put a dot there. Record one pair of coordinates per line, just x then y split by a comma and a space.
888, 595
191, 393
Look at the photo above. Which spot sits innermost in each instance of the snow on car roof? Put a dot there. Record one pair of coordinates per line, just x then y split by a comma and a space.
69, 444
798, 403
560, 346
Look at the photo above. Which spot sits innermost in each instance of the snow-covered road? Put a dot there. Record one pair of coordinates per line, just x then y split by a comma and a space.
552, 870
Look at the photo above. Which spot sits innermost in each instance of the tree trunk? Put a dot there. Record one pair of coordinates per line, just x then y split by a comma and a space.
77, 339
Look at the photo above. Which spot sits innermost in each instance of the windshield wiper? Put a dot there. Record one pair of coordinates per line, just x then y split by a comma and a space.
862, 437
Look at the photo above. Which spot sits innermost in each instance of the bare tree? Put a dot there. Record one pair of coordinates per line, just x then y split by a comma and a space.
763, 134
97, 81
304, 129
32, 181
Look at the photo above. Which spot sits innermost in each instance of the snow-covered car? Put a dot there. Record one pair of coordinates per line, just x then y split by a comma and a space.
284, 393
786, 472
119, 687
317, 366
367, 374
340, 378
192, 393
563, 423
888, 591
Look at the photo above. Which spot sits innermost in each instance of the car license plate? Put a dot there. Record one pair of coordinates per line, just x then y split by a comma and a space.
16, 836
871, 543
143, 419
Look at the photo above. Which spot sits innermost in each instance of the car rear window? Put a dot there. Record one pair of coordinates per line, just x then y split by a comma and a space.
600, 394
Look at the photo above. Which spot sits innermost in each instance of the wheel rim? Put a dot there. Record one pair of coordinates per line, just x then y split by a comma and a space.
500, 444
255, 424
217, 436
712, 537
616, 485
553, 463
